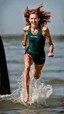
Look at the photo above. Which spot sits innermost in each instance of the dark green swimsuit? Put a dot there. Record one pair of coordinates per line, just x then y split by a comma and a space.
36, 46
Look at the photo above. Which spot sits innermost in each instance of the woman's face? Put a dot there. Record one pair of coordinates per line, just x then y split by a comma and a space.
34, 19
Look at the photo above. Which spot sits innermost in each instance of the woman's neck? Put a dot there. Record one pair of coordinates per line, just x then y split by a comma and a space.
34, 30
33, 27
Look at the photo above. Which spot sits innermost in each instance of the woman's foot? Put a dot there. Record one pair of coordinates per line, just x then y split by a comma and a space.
26, 99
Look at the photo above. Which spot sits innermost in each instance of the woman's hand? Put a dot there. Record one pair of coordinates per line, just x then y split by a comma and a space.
50, 54
23, 45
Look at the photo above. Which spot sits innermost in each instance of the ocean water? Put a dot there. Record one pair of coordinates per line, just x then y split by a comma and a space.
46, 93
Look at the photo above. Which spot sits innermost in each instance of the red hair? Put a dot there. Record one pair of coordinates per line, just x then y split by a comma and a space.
43, 15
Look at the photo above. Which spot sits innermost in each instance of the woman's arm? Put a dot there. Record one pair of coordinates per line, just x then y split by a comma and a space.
24, 42
46, 33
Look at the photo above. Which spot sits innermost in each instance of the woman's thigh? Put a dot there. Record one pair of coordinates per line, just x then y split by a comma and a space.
38, 68
27, 60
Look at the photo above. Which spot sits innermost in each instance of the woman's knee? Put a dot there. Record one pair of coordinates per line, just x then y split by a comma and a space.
27, 69
36, 75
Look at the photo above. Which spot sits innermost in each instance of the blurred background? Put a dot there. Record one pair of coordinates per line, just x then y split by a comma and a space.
12, 17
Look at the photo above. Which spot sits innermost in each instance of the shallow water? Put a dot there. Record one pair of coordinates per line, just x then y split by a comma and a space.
52, 76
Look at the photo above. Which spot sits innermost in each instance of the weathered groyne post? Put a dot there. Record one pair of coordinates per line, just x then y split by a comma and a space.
4, 78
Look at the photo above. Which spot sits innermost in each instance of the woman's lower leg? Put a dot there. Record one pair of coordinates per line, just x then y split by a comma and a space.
26, 84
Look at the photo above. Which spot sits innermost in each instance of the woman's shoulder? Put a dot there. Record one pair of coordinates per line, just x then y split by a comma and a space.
25, 29
45, 30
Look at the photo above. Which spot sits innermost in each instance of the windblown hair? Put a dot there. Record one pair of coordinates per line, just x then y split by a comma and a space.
43, 15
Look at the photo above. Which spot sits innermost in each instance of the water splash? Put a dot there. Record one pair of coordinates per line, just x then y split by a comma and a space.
38, 91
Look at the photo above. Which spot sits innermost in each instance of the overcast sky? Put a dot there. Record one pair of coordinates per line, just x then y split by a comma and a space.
12, 18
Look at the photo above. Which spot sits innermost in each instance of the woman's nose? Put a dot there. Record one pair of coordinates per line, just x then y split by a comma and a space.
33, 20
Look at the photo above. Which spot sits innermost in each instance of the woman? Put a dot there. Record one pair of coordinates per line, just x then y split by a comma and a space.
36, 32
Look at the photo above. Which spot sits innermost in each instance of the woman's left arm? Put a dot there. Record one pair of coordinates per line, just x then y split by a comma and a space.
46, 33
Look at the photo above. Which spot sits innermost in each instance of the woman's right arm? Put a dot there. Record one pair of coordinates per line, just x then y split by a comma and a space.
24, 42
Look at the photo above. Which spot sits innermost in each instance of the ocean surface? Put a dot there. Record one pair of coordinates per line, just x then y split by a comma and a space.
46, 93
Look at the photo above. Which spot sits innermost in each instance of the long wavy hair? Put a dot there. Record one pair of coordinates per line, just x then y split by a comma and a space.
43, 15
